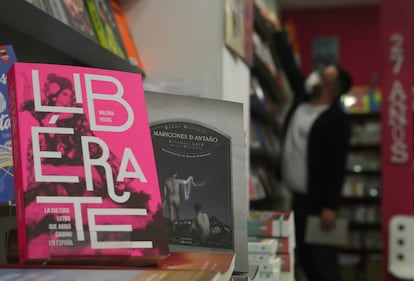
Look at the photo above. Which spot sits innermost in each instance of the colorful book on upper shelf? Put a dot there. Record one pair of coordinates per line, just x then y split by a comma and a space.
77, 17
7, 58
199, 149
129, 44
70, 12
86, 185
362, 99
105, 26
59, 274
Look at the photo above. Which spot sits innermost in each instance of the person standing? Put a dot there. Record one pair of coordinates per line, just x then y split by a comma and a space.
315, 147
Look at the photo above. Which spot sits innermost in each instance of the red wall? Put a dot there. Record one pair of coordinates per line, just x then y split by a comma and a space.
358, 32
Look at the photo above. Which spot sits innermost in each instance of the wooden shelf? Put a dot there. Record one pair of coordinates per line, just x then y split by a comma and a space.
27, 20
265, 77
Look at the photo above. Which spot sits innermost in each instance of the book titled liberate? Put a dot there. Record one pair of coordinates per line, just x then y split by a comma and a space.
85, 175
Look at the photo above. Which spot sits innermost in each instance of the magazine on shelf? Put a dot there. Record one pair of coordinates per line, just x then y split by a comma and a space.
105, 26
77, 16
199, 148
86, 180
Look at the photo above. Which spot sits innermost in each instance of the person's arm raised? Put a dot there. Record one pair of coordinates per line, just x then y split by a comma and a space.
285, 54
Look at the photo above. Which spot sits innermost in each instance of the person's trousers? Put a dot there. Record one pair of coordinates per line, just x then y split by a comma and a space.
319, 262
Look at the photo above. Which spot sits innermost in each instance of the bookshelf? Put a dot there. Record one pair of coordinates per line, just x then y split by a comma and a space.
38, 37
266, 101
361, 200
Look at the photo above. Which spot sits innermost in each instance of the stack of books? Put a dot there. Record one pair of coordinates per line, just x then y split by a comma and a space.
279, 226
263, 253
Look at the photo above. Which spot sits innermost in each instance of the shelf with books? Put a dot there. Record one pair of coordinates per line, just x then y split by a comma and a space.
258, 111
361, 199
265, 77
268, 101
361, 196
32, 24
263, 185
260, 155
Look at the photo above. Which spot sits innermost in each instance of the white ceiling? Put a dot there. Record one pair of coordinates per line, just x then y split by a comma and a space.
300, 4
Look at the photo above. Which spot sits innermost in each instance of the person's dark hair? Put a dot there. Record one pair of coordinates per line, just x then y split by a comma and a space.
55, 85
52, 87
344, 81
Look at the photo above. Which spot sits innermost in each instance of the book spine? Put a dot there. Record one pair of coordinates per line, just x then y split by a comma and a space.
269, 228
269, 276
259, 258
97, 24
278, 227
47, 7
266, 246
128, 41
58, 11
17, 160
114, 38
264, 267
274, 265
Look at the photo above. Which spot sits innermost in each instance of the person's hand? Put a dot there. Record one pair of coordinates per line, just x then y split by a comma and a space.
328, 219
272, 19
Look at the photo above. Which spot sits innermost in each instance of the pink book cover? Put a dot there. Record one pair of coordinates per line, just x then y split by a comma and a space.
86, 181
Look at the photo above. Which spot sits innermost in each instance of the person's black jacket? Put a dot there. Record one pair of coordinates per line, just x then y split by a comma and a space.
328, 138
